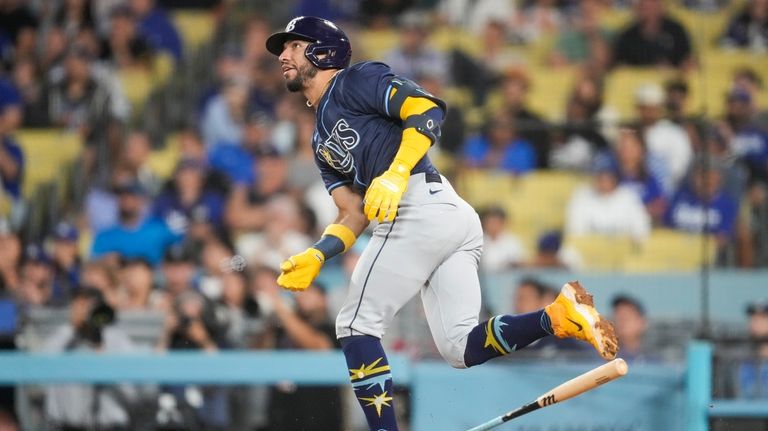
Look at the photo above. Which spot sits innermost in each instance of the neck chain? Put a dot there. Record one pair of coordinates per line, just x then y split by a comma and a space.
311, 104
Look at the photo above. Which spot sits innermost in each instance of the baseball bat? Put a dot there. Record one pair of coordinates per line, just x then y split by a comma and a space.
576, 386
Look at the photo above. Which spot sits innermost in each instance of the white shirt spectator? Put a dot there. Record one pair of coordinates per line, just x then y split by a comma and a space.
473, 15
501, 253
620, 212
670, 143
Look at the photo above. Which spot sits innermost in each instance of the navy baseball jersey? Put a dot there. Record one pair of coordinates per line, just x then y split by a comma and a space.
356, 136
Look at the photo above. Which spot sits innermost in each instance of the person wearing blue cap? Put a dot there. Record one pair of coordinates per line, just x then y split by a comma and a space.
605, 208
66, 262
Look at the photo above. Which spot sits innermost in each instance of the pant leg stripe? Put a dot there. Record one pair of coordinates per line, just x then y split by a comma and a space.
367, 276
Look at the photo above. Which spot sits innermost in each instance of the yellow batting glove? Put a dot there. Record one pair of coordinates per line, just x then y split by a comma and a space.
300, 270
384, 194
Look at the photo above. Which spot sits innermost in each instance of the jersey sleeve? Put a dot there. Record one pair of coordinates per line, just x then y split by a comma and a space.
331, 177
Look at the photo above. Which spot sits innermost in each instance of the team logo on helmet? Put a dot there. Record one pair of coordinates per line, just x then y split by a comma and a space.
292, 23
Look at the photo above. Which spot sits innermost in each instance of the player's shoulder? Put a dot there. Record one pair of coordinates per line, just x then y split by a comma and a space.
366, 70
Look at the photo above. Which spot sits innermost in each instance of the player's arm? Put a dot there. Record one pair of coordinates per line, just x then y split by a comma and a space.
300, 270
421, 114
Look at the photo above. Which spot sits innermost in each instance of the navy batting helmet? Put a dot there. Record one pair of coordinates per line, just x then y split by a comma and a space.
326, 39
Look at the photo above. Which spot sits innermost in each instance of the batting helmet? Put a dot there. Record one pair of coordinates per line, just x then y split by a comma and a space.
326, 39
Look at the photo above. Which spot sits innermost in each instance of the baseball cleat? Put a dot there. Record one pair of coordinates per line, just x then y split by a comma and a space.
573, 315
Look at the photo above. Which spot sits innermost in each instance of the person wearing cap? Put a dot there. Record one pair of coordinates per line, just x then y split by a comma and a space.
631, 327
668, 142
36, 283
66, 262
414, 56
514, 87
744, 140
703, 205
187, 199
752, 373
500, 147
502, 250
134, 235
603, 207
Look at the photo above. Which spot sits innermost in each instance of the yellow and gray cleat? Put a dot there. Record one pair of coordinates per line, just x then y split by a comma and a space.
573, 315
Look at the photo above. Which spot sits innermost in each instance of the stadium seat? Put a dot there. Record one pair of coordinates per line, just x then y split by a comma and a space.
615, 19
716, 72
47, 150
539, 201
704, 28
484, 187
446, 38
375, 44
137, 85
196, 27
601, 252
550, 89
671, 250
5, 205
162, 162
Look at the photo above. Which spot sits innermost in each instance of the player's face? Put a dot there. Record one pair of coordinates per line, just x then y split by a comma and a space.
297, 70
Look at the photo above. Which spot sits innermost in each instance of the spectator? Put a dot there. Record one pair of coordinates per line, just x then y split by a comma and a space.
11, 104
235, 307
605, 208
156, 27
747, 79
753, 373
246, 205
653, 39
453, 129
120, 239
304, 326
228, 65
66, 262
124, 47
500, 147
36, 282
550, 253
585, 41
134, 157
78, 406
580, 139
414, 57
31, 85
474, 15
667, 142
745, 141
186, 199
541, 18
224, 117
635, 174
702, 205
136, 286
179, 273
282, 234
11, 162
514, 88
10, 257
748, 28
81, 100
217, 257
100, 275
677, 93
501, 249
237, 161
74, 16
631, 325
529, 296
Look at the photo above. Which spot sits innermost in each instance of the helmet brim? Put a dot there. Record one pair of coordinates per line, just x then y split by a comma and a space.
276, 41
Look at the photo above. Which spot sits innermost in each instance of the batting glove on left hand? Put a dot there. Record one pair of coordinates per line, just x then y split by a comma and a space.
384, 194
300, 270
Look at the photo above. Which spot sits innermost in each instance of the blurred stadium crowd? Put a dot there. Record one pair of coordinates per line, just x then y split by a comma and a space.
154, 168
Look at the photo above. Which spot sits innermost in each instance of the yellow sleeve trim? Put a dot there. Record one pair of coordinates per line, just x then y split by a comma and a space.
413, 147
341, 232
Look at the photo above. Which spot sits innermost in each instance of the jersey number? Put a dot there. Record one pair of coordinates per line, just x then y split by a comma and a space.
335, 149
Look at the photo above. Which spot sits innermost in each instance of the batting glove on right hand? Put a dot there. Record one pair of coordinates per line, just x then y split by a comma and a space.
300, 270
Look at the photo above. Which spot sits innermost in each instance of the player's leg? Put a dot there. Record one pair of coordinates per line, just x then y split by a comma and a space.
386, 278
452, 302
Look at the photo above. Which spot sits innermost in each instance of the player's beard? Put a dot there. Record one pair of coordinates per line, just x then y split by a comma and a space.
303, 75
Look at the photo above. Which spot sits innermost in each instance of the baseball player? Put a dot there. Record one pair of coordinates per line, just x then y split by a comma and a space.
371, 138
